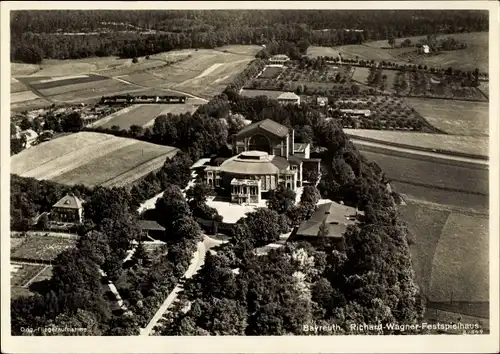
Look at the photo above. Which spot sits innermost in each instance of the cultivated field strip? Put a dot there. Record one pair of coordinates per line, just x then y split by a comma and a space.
455, 143
77, 88
460, 265
30, 159
117, 162
138, 172
144, 79
117, 88
17, 86
130, 69
140, 115
68, 82
75, 159
23, 96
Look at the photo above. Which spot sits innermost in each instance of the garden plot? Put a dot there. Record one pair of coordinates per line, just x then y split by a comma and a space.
271, 73
361, 74
454, 117
42, 248
22, 273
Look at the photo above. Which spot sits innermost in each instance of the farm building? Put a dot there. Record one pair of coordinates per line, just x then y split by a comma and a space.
356, 112
288, 98
69, 209
335, 218
266, 157
279, 59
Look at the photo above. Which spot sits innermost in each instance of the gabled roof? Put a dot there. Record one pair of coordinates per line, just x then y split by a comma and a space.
336, 217
69, 201
267, 125
288, 96
150, 225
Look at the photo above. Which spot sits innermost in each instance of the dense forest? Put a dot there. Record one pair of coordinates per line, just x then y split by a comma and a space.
36, 35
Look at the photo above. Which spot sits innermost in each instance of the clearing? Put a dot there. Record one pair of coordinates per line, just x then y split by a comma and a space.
454, 117
456, 143
91, 159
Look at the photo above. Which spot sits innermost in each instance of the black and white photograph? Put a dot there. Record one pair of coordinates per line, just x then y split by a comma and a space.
198, 169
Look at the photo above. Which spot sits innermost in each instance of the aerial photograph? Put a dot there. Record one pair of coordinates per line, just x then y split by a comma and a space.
249, 172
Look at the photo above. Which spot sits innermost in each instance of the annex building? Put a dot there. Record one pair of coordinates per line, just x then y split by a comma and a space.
265, 156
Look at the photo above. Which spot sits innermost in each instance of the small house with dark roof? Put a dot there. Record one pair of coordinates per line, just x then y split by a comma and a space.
336, 218
152, 228
68, 209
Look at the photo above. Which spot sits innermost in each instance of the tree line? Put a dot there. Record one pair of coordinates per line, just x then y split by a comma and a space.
36, 35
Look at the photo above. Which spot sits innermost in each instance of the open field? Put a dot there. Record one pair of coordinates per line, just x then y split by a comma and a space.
91, 159
30, 105
244, 50
454, 117
17, 86
64, 81
256, 93
316, 51
456, 143
96, 87
364, 52
42, 248
449, 256
475, 55
431, 172
460, 266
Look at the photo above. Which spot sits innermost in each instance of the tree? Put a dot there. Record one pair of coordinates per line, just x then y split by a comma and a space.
25, 124
72, 123
391, 41
264, 225
281, 199
310, 194
43, 221
198, 194
140, 256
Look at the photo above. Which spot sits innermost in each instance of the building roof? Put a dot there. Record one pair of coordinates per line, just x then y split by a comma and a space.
288, 96
336, 217
200, 163
267, 125
30, 134
69, 201
254, 163
280, 57
299, 147
150, 225
355, 111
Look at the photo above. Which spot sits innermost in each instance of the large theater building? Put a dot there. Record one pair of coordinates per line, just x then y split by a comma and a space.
266, 156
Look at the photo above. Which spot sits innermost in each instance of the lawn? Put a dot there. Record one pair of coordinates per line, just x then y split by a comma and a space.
42, 248
476, 145
460, 265
90, 158
271, 73
454, 117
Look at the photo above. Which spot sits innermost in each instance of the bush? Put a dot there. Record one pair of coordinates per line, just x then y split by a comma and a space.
135, 60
